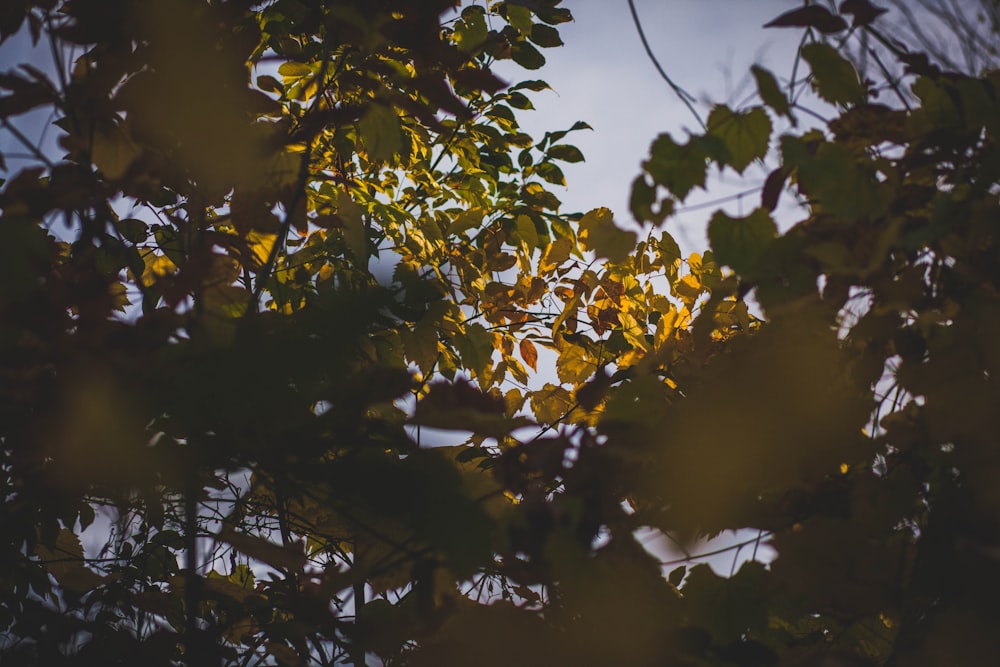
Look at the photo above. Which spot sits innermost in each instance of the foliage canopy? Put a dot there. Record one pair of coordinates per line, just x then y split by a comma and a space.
214, 395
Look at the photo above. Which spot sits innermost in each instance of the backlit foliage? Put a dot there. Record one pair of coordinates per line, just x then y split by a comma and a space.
268, 261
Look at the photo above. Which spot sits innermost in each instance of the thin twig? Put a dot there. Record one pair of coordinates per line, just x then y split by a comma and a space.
684, 96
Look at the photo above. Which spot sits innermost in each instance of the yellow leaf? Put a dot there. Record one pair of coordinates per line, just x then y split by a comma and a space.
573, 367
557, 253
551, 403
260, 245
157, 266
119, 296
635, 333
688, 289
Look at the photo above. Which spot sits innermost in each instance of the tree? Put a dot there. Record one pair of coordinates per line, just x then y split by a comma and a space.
205, 370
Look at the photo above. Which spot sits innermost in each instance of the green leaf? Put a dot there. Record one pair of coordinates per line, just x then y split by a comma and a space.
132, 229
519, 17
470, 31
551, 173
835, 79
678, 168
294, 70
351, 217
526, 55
565, 152
770, 93
598, 233
526, 232
841, 183
381, 132
519, 101
466, 220
545, 36
745, 135
740, 242
533, 85
668, 249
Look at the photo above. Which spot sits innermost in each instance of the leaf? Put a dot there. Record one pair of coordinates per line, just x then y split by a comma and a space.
668, 249
529, 353
551, 404
745, 135
812, 16
551, 173
740, 242
352, 226
870, 125
527, 233
770, 93
519, 101
573, 366
678, 168
294, 70
466, 220
421, 344
519, 17
545, 36
863, 11
381, 132
132, 229
526, 55
113, 151
260, 245
471, 31
597, 232
476, 348
836, 180
835, 79
66, 563
565, 152
773, 187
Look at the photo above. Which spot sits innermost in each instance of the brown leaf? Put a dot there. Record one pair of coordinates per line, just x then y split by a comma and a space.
529, 353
